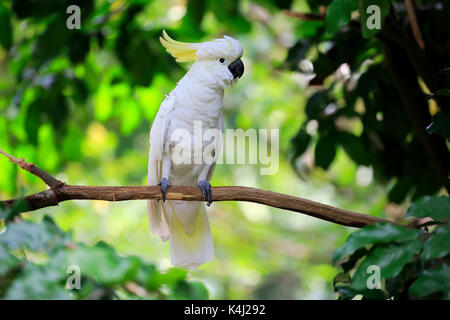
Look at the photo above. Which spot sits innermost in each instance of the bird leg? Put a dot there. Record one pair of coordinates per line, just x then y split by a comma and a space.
164, 183
205, 187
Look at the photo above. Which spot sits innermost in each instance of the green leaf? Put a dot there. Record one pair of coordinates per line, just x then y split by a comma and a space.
6, 33
300, 143
130, 116
184, 290
339, 14
296, 54
7, 260
374, 234
316, 104
145, 276
100, 262
79, 45
353, 259
342, 277
325, 152
431, 281
71, 144
396, 286
34, 236
347, 293
438, 244
441, 92
440, 124
172, 276
355, 148
376, 15
141, 62
390, 258
38, 282
53, 40
195, 12
8, 213
283, 4
434, 207
400, 189
229, 15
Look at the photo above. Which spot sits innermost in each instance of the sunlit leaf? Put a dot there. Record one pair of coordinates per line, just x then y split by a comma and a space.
378, 233
431, 206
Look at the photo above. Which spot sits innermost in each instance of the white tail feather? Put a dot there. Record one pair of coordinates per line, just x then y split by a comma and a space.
191, 242
185, 223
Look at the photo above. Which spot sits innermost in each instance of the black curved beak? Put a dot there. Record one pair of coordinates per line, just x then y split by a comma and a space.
236, 68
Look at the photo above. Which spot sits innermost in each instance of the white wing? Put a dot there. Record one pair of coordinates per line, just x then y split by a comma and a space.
158, 135
218, 147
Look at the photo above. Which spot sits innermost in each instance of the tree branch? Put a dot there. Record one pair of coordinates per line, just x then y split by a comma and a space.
31, 168
317, 17
305, 16
410, 9
63, 192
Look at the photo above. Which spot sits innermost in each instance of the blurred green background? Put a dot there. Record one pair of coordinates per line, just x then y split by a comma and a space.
80, 104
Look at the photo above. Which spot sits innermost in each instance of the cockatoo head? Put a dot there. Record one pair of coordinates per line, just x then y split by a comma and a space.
217, 63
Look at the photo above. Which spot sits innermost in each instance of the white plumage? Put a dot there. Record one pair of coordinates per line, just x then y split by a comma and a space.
196, 100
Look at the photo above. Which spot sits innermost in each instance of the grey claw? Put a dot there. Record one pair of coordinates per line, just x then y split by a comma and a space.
205, 187
164, 183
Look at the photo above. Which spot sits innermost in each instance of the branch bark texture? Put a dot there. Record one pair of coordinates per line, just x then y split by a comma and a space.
63, 192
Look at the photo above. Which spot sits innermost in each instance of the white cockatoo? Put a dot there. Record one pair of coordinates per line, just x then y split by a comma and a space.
196, 101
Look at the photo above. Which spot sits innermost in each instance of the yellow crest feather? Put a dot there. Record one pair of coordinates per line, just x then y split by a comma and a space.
181, 51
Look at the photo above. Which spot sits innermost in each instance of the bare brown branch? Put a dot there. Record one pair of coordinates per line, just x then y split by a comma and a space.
305, 16
60, 192
316, 17
277, 200
414, 24
30, 167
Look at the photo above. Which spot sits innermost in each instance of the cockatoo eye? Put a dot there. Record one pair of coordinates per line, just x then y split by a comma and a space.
222, 60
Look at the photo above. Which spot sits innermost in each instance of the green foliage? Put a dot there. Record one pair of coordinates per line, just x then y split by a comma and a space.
325, 151
339, 14
437, 208
383, 5
432, 281
6, 27
440, 124
381, 233
359, 103
8, 213
35, 261
413, 263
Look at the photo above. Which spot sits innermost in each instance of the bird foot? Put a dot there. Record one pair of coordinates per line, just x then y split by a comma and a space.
205, 187
164, 183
